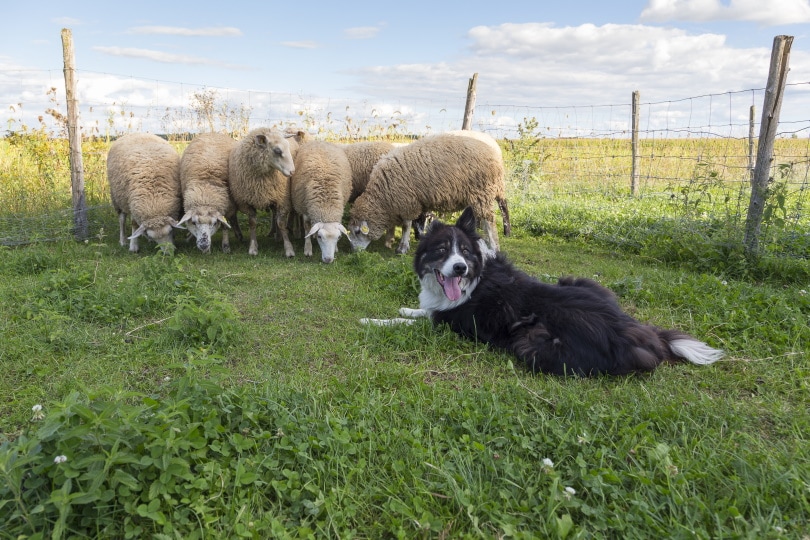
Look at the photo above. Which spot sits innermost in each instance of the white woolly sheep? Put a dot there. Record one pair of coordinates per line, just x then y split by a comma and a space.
320, 189
143, 172
258, 169
443, 173
207, 200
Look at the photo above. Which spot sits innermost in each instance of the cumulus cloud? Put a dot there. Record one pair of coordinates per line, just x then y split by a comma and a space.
180, 31
771, 13
164, 57
541, 63
300, 44
361, 32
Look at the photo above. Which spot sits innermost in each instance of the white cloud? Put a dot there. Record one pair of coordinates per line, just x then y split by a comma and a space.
770, 13
361, 32
539, 63
164, 57
180, 31
300, 44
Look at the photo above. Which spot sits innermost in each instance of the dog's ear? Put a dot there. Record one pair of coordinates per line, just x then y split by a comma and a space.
466, 222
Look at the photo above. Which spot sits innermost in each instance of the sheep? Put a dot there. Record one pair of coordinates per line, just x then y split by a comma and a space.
320, 189
258, 169
207, 199
362, 158
441, 172
143, 172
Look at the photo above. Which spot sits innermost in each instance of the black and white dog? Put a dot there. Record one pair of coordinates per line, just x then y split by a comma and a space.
575, 327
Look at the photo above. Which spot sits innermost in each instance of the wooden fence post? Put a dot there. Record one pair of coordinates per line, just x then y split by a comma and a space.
635, 173
469, 109
774, 92
80, 226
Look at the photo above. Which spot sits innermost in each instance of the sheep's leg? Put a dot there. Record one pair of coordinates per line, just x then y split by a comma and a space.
307, 239
491, 233
282, 227
133, 241
226, 240
122, 224
405, 241
253, 249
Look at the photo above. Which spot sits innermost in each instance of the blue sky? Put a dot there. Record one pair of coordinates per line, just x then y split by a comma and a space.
526, 53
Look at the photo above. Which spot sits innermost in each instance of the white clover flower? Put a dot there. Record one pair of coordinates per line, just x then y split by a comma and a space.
548, 463
38, 414
569, 492
60, 459
724, 283
802, 292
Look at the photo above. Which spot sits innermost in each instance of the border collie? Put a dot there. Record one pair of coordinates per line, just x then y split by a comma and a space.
575, 327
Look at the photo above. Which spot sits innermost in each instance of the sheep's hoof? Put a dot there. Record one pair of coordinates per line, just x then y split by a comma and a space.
226, 249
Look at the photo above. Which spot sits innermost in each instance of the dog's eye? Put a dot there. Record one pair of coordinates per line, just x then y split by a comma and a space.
441, 250
465, 251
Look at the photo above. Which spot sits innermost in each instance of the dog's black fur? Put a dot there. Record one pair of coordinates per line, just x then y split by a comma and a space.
574, 327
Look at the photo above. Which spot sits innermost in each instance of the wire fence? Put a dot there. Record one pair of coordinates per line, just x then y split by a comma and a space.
696, 151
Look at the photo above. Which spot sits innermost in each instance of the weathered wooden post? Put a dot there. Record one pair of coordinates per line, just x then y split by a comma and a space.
469, 109
80, 226
635, 172
774, 92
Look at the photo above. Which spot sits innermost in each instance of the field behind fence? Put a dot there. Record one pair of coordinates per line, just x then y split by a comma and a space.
569, 168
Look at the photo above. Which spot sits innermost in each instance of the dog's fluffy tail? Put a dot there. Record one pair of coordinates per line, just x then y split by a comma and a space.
690, 349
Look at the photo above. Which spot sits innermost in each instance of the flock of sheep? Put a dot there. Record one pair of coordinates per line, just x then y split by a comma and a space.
385, 185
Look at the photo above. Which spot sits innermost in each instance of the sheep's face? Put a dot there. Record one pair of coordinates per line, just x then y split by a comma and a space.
327, 235
361, 233
276, 151
160, 230
203, 224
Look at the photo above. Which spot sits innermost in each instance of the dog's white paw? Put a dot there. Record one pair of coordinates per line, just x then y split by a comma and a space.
386, 322
412, 313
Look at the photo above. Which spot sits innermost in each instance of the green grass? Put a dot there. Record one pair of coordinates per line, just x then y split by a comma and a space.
231, 396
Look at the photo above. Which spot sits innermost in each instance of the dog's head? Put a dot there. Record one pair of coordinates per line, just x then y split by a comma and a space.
449, 258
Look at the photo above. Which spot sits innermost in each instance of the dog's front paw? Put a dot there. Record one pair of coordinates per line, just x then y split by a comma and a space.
412, 313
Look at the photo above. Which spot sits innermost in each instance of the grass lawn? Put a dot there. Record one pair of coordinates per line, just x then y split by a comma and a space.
233, 396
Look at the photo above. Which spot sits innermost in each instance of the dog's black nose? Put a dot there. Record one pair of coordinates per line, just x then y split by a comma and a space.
459, 269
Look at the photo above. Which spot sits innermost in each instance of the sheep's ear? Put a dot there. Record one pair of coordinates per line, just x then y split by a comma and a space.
315, 228
260, 140
466, 222
184, 219
139, 231
176, 224
364, 227
344, 231
222, 220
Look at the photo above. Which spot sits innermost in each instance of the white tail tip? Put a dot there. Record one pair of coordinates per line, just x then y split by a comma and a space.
695, 351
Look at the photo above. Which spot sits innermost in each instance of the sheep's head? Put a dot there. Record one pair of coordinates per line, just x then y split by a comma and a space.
361, 234
327, 235
203, 223
276, 151
159, 230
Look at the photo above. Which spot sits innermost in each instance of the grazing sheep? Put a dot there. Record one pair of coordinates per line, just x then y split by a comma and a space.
258, 171
320, 189
443, 173
362, 157
207, 200
143, 172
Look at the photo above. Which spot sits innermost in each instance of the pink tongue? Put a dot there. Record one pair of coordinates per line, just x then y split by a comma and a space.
451, 287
